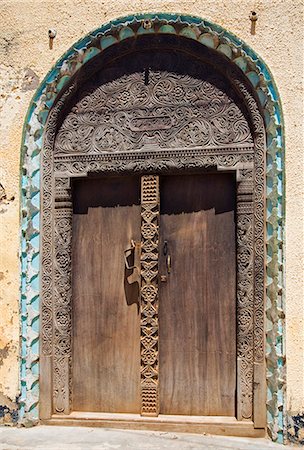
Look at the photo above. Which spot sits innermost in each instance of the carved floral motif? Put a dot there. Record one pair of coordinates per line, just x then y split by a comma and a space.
171, 110
245, 313
62, 322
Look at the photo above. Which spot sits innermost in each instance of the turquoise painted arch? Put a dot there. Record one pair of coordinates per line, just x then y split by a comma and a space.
215, 37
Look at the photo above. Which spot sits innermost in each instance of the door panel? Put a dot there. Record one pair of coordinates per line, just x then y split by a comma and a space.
197, 306
106, 353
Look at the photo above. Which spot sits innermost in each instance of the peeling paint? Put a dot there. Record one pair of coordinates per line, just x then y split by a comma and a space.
2, 193
295, 429
3, 197
8, 416
30, 81
8, 411
4, 353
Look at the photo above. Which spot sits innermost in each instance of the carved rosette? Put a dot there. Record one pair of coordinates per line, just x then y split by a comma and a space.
62, 297
245, 311
149, 294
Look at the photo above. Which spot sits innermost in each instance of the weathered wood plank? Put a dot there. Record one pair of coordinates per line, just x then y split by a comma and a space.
197, 310
106, 357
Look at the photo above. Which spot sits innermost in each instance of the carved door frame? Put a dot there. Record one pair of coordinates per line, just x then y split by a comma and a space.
249, 164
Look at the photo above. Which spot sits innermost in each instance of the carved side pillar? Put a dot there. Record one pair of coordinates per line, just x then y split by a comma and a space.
245, 311
259, 413
62, 297
149, 294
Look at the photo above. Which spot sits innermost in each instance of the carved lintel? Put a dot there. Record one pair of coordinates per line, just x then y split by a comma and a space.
149, 295
173, 109
150, 163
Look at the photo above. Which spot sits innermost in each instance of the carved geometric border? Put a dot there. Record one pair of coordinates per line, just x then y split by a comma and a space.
60, 333
149, 343
254, 68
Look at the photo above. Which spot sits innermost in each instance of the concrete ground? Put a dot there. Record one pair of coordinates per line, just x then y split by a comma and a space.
72, 438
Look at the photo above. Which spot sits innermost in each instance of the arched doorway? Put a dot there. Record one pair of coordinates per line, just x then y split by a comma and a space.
187, 344
182, 120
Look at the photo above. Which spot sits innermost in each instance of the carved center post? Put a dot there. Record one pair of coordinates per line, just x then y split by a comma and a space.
149, 295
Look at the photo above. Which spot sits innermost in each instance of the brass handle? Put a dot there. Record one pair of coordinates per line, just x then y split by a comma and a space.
168, 257
168, 263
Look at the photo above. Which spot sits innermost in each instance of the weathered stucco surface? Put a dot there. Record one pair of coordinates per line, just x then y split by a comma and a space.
13, 104
25, 58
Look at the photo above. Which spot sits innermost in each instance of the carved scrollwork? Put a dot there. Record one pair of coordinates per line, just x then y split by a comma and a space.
62, 297
245, 313
172, 110
153, 162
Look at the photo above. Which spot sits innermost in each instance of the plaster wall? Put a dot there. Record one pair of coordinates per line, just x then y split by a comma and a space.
25, 58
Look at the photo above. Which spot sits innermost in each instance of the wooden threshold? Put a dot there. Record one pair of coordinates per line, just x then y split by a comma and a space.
227, 426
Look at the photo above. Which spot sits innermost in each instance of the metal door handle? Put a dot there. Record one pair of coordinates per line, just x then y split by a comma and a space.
168, 263
168, 257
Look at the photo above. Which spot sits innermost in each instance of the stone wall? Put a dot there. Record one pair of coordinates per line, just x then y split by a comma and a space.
25, 58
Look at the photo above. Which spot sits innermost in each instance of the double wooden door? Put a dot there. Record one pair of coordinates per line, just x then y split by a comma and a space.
194, 346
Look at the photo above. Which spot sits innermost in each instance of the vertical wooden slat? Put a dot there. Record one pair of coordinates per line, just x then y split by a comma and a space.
106, 320
238, 390
259, 395
149, 295
45, 405
197, 301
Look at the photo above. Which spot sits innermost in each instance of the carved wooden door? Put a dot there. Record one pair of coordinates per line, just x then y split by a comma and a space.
160, 337
186, 362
